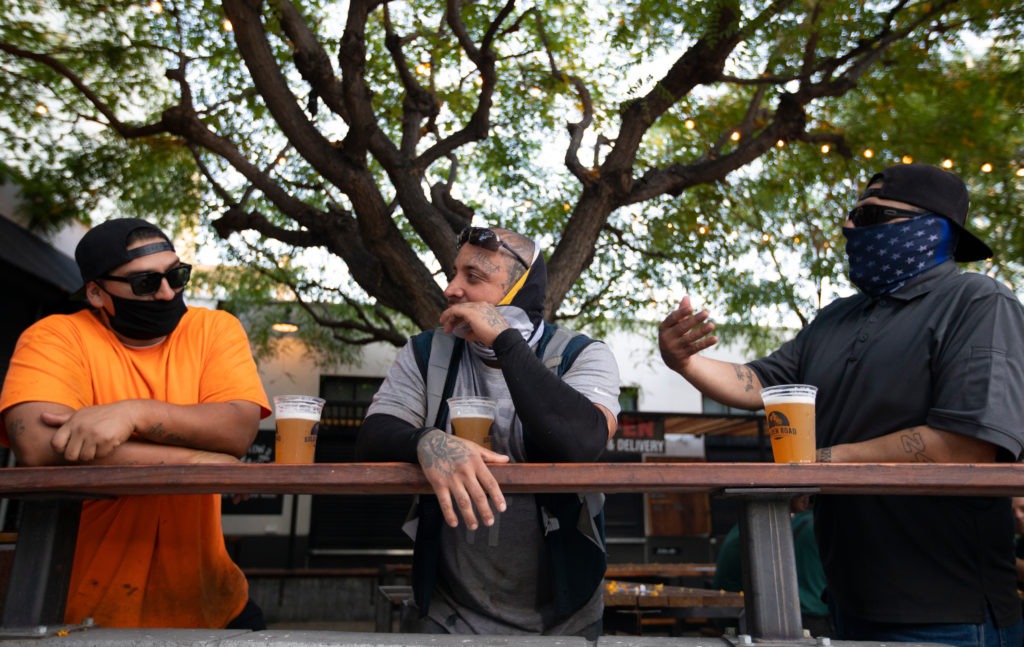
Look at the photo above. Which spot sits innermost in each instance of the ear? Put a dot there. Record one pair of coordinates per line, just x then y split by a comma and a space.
94, 294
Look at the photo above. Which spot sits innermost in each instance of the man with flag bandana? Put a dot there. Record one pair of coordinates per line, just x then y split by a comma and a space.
925, 365
499, 579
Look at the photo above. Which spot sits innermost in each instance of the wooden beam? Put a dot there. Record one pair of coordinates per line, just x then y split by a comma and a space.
997, 479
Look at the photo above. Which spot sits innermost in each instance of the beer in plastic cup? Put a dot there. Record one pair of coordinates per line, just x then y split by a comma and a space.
298, 418
789, 410
471, 418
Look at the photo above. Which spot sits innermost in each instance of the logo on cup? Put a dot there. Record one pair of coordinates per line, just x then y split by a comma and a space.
778, 424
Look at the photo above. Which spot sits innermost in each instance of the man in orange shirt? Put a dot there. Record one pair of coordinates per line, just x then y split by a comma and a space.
140, 378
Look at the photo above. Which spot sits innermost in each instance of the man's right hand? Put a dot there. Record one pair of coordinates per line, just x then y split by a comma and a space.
683, 334
457, 471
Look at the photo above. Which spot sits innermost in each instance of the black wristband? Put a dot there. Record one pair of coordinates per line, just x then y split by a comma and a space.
559, 423
384, 437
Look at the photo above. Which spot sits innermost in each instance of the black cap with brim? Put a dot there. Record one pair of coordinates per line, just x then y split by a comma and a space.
104, 248
937, 191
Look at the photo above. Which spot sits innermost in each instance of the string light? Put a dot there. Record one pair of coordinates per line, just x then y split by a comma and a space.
868, 153
947, 163
735, 136
1020, 172
796, 240
986, 168
907, 159
535, 92
156, 7
41, 109
284, 327
689, 124
478, 81
227, 25
423, 69
765, 237
825, 148
780, 143
702, 230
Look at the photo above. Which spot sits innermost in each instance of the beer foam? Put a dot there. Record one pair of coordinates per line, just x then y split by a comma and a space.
783, 398
286, 413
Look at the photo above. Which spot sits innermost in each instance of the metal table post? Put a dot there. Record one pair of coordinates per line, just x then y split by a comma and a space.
772, 595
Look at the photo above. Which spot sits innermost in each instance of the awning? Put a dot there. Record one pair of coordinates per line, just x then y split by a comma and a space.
31, 254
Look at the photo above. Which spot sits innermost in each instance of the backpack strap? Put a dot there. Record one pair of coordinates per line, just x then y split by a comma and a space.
438, 355
559, 347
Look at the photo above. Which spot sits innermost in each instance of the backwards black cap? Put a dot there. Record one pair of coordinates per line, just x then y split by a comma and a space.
104, 247
937, 191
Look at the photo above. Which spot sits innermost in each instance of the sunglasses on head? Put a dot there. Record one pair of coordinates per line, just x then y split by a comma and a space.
487, 239
147, 283
875, 214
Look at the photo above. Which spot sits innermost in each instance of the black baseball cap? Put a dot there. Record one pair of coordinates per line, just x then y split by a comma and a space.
937, 191
104, 247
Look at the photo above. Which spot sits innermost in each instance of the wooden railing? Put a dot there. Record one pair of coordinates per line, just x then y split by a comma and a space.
1001, 479
52, 496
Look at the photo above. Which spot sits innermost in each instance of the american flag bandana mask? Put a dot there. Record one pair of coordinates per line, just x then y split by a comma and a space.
884, 257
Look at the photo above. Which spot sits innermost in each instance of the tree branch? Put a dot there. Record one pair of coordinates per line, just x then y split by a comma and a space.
87, 92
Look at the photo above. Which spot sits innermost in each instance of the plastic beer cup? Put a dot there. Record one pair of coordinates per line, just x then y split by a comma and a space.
298, 418
789, 410
471, 418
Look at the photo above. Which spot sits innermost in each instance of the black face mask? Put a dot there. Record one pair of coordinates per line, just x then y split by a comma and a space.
136, 319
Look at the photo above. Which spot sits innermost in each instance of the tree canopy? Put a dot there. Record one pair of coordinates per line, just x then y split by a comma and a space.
654, 148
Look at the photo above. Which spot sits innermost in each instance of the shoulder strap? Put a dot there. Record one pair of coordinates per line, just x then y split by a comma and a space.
559, 347
438, 355
421, 350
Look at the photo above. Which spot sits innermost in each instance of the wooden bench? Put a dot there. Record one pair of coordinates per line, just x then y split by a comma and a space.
665, 606
667, 572
388, 606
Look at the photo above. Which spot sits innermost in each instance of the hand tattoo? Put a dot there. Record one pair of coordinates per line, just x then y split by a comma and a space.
439, 451
494, 319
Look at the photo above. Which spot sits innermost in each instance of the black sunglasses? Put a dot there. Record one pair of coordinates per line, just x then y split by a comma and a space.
875, 214
147, 283
488, 240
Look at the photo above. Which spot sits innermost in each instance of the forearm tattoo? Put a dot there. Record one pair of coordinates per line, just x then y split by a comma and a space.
745, 376
438, 451
913, 444
825, 455
159, 434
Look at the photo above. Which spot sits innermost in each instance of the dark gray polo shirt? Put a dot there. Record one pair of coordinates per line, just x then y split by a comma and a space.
947, 350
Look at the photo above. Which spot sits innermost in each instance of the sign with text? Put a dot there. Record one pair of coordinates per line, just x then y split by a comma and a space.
638, 435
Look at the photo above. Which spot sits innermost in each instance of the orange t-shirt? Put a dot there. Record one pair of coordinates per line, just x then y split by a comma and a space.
148, 560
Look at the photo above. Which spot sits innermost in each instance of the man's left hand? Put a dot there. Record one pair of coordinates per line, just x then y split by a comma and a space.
480, 321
